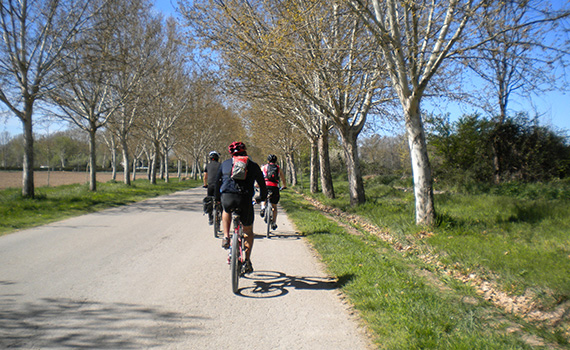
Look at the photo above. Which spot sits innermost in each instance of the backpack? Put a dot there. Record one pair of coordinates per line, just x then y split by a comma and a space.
239, 167
208, 204
272, 173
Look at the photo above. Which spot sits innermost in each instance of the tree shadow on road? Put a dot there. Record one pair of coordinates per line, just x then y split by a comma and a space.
65, 323
272, 284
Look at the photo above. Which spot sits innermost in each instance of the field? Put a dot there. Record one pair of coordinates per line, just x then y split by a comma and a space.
53, 178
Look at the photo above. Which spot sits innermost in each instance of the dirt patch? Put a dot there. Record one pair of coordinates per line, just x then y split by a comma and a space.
52, 178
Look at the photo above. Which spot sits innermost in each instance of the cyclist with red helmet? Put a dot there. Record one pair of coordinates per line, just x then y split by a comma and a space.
238, 194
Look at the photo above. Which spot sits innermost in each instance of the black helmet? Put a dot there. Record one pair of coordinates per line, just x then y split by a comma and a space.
214, 155
272, 158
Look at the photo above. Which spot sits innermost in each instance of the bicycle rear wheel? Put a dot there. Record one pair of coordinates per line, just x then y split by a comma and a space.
217, 219
235, 265
268, 218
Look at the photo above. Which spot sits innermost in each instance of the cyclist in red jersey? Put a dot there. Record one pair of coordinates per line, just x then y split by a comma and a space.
272, 174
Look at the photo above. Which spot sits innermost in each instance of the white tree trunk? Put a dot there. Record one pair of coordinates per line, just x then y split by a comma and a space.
421, 168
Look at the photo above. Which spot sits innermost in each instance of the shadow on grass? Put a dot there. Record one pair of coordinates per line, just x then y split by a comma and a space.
272, 284
532, 213
65, 323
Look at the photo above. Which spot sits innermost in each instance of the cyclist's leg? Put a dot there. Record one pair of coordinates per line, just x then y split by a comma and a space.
226, 223
211, 190
229, 202
275, 196
249, 235
274, 206
247, 216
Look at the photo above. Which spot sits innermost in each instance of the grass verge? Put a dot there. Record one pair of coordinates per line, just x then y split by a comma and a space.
515, 235
404, 302
57, 203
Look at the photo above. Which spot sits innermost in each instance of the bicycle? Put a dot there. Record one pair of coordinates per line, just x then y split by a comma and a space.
217, 214
268, 214
237, 251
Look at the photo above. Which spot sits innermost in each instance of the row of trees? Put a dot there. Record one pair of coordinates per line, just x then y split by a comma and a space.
332, 65
117, 71
68, 150
300, 70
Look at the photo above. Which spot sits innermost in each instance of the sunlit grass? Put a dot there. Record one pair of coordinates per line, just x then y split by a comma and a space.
397, 299
56, 203
516, 235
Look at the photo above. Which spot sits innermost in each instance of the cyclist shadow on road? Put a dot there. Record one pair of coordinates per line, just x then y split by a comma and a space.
272, 284
290, 235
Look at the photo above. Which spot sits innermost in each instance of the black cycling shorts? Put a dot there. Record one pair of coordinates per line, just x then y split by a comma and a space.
274, 191
230, 201
211, 190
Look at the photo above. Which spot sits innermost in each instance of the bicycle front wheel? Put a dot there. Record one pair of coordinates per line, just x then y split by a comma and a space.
234, 262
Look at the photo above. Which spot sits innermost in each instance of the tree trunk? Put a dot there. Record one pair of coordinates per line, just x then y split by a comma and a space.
166, 173
28, 164
92, 159
291, 169
421, 168
325, 165
179, 162
355, 183
113, 161
134, 170
126, 162
154, 163
313, 182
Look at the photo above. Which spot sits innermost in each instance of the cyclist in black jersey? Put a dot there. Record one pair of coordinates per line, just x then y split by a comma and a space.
239, 194
210, 172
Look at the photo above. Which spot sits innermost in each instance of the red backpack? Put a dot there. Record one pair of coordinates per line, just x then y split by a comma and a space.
239, 167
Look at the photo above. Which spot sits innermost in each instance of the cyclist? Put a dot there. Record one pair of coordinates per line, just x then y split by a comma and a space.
210, 182
238, 194
272, 173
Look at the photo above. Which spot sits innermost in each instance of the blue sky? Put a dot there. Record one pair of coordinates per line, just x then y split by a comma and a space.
553, 107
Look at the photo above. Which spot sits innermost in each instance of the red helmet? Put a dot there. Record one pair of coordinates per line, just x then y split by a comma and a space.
236, 148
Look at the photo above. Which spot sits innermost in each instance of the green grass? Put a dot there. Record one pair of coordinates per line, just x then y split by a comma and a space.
406, 306
56, 203
519, 233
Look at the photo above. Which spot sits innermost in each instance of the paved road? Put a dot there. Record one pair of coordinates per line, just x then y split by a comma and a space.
151, 275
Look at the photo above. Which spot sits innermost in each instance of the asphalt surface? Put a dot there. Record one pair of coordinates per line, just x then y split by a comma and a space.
152, 275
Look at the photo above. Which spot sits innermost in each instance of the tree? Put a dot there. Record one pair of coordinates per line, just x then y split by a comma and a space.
316, 49
529, 152
518, 59
414, 39
274, 134
205, 124
4, 140
36, 36
166, 93
417, 41
137, 41
91, 93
